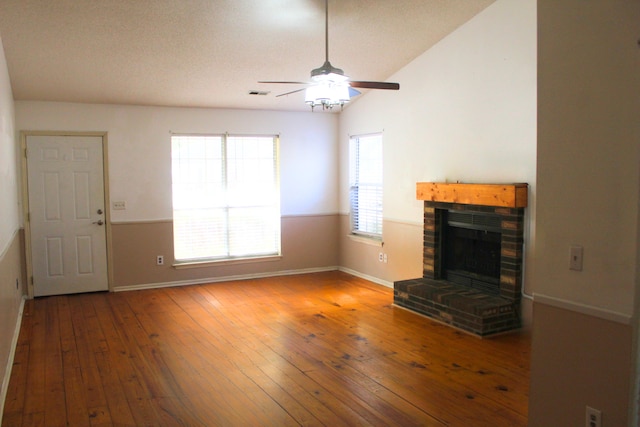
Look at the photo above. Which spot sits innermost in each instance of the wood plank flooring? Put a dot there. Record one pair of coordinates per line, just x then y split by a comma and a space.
322, 349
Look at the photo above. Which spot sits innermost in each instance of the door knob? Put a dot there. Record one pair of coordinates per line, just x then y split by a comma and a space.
99, 222
99, 211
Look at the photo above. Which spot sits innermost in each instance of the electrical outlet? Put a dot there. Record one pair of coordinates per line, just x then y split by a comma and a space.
386, 258
380, 256
594, 417
160, 260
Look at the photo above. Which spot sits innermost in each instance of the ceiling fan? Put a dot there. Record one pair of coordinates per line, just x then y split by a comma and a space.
329, 86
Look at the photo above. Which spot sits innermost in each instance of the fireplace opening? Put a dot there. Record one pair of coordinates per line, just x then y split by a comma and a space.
472, 250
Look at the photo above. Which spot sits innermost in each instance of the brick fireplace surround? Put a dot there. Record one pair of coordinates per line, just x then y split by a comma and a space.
467, 308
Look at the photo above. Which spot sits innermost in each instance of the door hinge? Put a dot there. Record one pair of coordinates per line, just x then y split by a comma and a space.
31, 280
25, 152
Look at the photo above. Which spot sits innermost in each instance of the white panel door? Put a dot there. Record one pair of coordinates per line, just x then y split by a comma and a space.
66, 210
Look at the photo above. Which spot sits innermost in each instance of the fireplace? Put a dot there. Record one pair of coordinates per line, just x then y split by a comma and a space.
472, 257
472, 246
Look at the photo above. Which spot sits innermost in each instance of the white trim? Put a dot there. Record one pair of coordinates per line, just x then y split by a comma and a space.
393, 220
12, 354
170, 220
366, 277
404, 222
222, 279
305, 215
10, 242
589, 310
143, 221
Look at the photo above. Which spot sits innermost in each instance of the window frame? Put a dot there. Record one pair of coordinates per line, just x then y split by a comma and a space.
227, 205
355, 186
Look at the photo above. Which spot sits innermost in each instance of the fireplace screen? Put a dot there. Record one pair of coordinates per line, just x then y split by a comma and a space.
472, 251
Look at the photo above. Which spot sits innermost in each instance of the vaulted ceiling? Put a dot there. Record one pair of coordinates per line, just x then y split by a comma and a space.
210, 53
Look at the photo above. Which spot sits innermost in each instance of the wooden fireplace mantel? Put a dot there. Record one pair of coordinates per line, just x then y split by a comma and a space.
502, 195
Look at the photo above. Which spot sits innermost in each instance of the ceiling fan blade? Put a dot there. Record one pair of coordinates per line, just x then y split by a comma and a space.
375, 85
287, 83
353, 92
289, 93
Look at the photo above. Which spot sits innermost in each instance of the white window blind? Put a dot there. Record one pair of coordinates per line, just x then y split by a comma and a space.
365, 173
226, 197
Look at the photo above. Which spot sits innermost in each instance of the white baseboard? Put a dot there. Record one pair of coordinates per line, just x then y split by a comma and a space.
582, 308
12, 354
367, 277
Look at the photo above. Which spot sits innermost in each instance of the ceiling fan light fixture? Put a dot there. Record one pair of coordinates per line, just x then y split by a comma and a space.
328, 72
327, 94
330, 78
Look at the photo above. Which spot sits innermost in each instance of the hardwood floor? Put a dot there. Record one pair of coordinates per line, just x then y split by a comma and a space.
318, 349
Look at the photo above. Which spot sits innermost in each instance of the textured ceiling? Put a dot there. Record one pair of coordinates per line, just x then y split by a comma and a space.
210, 53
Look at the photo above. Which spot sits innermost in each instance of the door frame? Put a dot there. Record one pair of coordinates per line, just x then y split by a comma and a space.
25, 202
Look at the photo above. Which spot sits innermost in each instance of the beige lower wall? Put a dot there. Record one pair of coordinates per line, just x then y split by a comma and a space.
402, 243
308, 242
578, 360
11, 273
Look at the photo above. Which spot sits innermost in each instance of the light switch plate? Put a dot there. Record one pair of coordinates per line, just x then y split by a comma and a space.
575, 261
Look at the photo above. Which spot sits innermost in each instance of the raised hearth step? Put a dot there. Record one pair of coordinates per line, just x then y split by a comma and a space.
457, 305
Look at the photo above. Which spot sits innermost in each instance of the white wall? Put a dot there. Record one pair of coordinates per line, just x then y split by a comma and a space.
8, 177
140, 150
466, 111
588, 194
10, 267
589, 152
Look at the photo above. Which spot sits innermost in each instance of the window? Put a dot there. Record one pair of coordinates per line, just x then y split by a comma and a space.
365, 170
226, 197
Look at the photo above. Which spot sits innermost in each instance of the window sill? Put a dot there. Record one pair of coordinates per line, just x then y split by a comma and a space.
366, 240
211, 263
